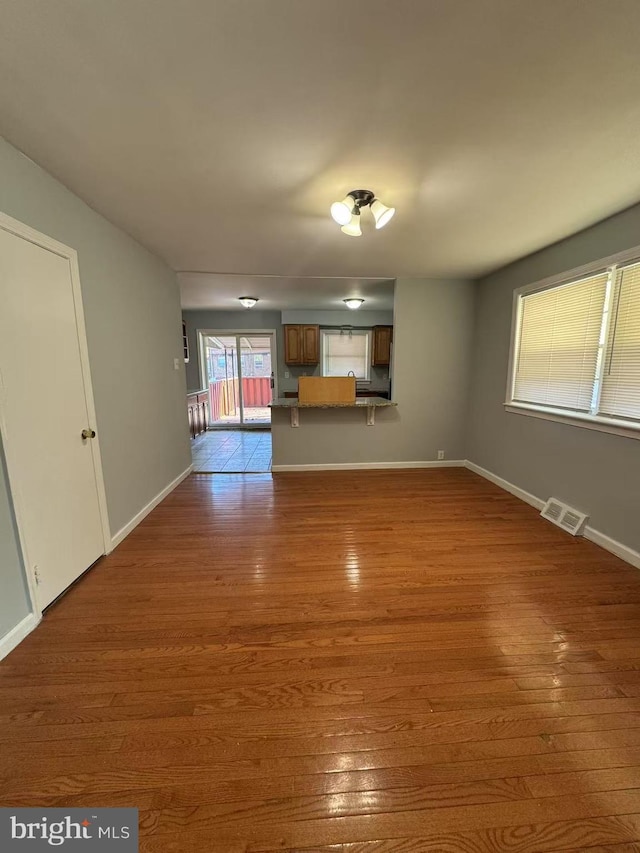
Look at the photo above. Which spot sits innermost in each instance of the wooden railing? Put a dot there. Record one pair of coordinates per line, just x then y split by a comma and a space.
256, 391
223, 394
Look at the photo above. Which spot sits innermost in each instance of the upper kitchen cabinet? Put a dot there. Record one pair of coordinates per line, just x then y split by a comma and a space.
292, 345
301, 344
381, 350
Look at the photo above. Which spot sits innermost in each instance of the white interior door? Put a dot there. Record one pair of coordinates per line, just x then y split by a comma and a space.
43, 410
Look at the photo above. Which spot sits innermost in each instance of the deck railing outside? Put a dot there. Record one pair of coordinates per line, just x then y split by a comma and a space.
224, 398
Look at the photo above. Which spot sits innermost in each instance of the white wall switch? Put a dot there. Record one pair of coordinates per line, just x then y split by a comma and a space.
176, 364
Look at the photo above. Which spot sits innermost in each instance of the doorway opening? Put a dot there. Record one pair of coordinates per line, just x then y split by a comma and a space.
239, 371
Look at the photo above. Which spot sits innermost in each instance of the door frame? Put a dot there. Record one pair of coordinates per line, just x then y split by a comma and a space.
201, 334
20, 229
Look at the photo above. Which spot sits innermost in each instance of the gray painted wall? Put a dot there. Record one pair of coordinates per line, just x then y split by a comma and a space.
132, 314
247, 319
433, 331
14, 600
346, 317
597, 472
253, 319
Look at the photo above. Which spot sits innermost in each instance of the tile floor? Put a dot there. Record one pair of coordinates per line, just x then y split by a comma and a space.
232, 451
252, 415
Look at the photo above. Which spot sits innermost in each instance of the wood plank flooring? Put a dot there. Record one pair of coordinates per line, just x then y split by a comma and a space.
354, 662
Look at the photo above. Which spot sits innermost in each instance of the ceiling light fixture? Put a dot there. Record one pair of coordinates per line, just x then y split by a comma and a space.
352, 227
347, 212
342, 210
248, 301
353, 303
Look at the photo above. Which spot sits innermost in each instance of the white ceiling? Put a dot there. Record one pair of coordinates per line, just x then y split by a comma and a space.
203, 290
218, 132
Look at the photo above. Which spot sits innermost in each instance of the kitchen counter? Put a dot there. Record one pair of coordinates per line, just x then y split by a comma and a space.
370, 404
359, 402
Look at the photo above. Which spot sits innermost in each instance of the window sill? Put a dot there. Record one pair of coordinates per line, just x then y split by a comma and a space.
610, 425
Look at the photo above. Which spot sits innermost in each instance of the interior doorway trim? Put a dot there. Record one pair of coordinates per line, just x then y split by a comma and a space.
20, 229
201, 334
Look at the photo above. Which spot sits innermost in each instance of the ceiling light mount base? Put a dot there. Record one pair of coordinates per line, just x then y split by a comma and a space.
362, 198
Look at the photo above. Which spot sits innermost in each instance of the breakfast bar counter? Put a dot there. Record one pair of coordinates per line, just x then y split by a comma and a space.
368, 403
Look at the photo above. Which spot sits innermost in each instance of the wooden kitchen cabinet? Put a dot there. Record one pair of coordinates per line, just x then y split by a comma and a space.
198, 413
292, 345
301, 344
310, 344
203, 405
381, 350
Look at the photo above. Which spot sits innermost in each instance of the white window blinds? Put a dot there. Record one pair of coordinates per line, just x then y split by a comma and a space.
559, 344
621, 381
345, 351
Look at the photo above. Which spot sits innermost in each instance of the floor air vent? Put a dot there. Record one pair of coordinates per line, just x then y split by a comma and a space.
564, 516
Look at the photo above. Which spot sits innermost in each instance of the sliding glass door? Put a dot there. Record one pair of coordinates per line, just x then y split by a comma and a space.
223, 380
256, 386
239, 368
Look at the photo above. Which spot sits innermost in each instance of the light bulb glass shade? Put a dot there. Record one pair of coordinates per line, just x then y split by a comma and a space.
352, 228
341, 210
248, 301
381, 213
353, 303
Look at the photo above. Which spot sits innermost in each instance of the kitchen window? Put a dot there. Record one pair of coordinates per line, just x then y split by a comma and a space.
344, 351
576, 351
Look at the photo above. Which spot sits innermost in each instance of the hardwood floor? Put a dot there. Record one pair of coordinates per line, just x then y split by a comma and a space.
354, 662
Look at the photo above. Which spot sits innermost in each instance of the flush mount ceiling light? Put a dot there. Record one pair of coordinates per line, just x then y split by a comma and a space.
347, 212
353, 303
248, 301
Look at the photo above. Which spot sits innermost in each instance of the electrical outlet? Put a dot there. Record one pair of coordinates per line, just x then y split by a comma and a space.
441, 454
287, 374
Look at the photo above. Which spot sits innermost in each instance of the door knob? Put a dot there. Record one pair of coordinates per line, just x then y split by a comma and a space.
88, 433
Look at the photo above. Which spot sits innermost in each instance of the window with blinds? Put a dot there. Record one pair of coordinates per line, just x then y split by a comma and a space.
345, 351
577, 347
559, 344
621, 380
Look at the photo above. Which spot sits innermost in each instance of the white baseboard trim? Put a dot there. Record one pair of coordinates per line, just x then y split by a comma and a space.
365, 466
117, 538
623, 551
527, 497
609, 544
16, 635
